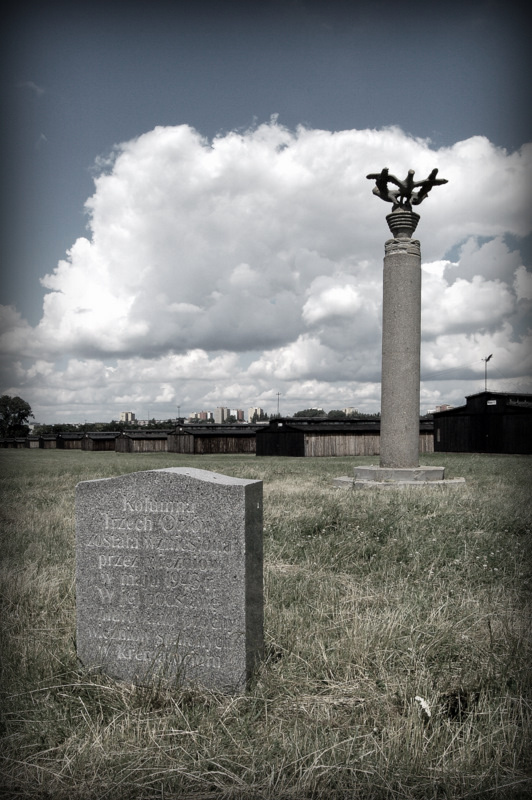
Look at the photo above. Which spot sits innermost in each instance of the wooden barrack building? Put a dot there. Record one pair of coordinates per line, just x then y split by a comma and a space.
212, 439
314, 436
99, 441
142, 442
69, 440
490, 422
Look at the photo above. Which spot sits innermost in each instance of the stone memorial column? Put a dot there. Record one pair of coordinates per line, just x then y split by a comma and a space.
401, 338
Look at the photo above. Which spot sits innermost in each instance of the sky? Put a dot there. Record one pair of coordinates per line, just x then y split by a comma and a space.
187, 221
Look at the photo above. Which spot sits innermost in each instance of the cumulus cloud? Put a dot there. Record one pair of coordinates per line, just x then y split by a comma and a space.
465, 306
252, 263
491, 260
330, 298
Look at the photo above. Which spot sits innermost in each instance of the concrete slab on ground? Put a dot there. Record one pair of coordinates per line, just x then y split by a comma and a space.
395, 474
345, 482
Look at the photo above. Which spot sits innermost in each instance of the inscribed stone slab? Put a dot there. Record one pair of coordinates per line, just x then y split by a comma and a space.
169, 577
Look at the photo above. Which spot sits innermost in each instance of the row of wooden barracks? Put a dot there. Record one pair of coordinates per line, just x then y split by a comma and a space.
490, 422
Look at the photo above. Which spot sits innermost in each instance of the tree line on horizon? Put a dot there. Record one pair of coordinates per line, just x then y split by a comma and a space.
15, 414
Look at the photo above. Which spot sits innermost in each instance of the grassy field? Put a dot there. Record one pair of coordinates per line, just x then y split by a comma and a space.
371, 600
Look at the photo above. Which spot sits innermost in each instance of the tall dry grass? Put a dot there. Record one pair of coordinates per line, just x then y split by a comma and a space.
371, 601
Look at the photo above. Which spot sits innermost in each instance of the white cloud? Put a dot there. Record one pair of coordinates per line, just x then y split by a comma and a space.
523, 283
465, 306
252, 265
331, 298
491, 260
304, 358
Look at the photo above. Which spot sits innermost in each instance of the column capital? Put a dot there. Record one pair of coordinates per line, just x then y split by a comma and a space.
402, 224
399, 246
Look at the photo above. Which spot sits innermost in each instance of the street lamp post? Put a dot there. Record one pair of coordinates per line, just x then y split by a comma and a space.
485, 360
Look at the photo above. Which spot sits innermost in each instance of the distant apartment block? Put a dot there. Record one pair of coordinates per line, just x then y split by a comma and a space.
201, 416
255, 413
127, 416
220, 415
223, 414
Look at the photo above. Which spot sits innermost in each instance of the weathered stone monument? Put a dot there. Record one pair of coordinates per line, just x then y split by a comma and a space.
169, 583
401, 340
401, 320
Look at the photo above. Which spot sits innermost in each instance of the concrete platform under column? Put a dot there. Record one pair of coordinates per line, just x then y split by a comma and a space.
395, 474
397, 478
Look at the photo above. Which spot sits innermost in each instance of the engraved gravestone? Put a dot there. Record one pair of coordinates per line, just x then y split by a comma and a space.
169, 577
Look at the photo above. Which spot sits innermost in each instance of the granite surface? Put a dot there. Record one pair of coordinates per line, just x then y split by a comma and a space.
401, 340
169, 577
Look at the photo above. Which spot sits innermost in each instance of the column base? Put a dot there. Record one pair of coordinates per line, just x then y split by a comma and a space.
402, 474
396, 478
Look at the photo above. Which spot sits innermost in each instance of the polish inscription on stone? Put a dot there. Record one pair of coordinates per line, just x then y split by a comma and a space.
169, 577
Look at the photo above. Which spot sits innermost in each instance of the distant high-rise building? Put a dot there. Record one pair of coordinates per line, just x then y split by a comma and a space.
200, 416
255, 413
127, 416
221, 414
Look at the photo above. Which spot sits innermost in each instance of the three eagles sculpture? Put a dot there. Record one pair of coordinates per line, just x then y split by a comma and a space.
405, 196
